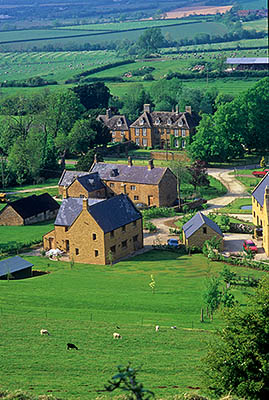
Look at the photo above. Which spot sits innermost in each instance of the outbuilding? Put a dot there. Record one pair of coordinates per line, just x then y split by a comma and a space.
15, 268
199, 229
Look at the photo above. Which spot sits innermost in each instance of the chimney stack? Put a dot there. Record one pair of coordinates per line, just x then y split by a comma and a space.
130, 162
108, 113
84, 203
95, 159
147, 108
188, 109
65, 194
150, 165
177, 109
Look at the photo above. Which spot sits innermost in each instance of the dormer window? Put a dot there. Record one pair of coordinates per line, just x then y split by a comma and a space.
142, 121
158, 121
180, 122
119, 122
169, 121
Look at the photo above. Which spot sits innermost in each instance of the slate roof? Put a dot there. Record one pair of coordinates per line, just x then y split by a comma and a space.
258, 192
109, 214
70, 210
68, 177
245, 60
167, 119
133, 174
196, 222
33, 205
13, 264
115, 122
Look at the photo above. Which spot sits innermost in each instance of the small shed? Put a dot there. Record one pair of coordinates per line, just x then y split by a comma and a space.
17, 267
199, 229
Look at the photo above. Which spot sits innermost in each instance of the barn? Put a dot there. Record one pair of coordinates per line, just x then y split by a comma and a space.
257, 63
15, 268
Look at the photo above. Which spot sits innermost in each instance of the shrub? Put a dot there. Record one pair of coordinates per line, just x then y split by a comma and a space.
158, 212
150, 226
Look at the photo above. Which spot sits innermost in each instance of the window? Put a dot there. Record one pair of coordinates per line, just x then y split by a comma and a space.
136, 197
81, 196
134, 223
112, 234
136, 131
144, 132
180, 123
111, 185
113, 140
113, 249
94, 236
77, 252
167, 131
124, 244
113, 133
254, 214
133, 187
123, 228
205, 230
96, 253
169, 121
122, 134
135, 238
183, 144
145, 142
183, 133
176, 132
141, 122
137, 142
66, 228
176, 143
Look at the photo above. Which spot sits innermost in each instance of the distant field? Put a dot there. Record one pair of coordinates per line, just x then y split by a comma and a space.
197, 10
258, 25
253, 4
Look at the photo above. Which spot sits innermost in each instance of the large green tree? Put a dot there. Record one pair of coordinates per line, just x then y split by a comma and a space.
237, 362
150, 41
134, 101
93, 95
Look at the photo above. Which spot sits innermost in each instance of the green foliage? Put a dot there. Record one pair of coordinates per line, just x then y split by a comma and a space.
126, 380
212, 295
134, 100
262, 163
227, 275
150, 226
85, 162
237, 362
95, 95
152, 283
158, 212
150, 41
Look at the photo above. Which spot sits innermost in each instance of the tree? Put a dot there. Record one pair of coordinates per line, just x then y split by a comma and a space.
212, 295
134, 101
84, 162
198, 173
150, 41
237, 362
182, 174
93, 95
262, 163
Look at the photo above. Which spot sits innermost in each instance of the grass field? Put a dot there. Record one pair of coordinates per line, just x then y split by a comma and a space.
235, 207
258, 25
83, 305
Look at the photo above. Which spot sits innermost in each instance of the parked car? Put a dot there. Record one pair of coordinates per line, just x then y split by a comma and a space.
141, 206
260, 174
173, 242
250, 245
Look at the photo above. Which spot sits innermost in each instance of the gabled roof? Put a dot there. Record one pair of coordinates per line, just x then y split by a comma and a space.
169, 119
109, 214
196, 222
13, 264
70, 210
258, 192
133, 174
68, 177
33, 205
115, 122
91, 182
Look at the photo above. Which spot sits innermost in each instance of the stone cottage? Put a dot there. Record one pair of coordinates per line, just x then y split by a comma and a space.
260, 210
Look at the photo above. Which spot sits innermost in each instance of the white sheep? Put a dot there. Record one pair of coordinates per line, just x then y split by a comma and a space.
44, 332
157, 328
173, 327
116, 335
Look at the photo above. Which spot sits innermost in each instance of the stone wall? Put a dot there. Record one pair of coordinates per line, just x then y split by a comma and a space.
9, 216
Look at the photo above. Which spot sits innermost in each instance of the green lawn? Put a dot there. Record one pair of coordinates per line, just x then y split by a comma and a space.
258, 25
249, 183
235, 207
83, 305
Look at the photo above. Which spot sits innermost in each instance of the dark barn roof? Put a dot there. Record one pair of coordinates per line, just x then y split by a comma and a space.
13, 264
196, 222
109, 214
258, 192
68, 177
133, 174
33, 205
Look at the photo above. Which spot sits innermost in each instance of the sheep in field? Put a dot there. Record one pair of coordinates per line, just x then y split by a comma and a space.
44, 332
116, 335
157, 328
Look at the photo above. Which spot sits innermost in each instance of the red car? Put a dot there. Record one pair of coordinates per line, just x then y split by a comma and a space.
250, 245
260, 174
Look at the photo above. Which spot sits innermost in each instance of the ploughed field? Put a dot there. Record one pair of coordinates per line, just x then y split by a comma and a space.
86, 304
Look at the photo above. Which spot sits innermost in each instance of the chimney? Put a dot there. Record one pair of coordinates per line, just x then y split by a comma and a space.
108, 113
188, 109
150, 165
147, 108
130, 162
95, 159
65, 194
85, 204
177, 109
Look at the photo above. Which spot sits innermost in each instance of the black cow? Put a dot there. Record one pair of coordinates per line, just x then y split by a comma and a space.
71, 346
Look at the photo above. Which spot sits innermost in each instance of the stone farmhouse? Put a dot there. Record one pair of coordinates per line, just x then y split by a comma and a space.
29, 210
199, 229
260, 210
152, 186
171, 130
117, 124
96, 231
81, 184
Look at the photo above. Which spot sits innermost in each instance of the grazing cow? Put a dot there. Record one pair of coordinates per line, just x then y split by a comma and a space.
44, 332
116, 335
71, 346
157, 328
173, 327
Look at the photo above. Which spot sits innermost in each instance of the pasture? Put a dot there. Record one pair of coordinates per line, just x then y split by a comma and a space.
84, 305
